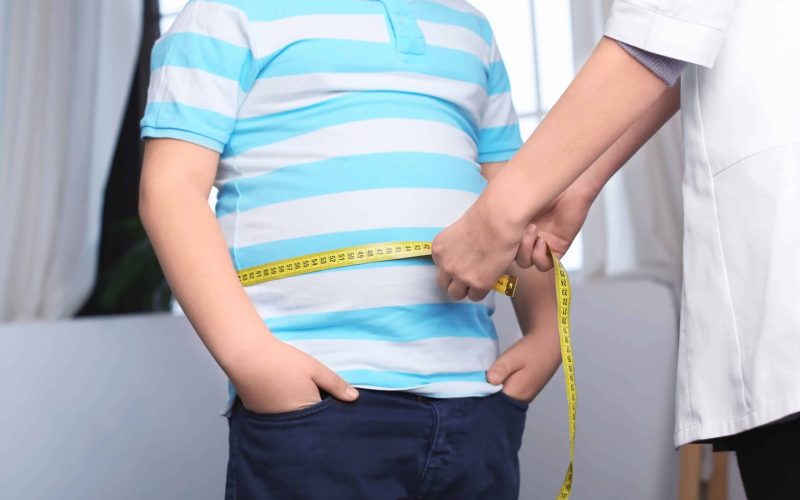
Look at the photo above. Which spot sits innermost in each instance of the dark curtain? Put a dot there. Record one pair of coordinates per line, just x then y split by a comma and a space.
128, 278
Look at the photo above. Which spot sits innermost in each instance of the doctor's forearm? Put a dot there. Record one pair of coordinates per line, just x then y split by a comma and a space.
611, 92
591, 182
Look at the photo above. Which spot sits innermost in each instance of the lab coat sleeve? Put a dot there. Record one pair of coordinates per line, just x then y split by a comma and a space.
688, 30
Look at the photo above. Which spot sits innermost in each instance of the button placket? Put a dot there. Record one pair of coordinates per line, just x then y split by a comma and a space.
408, 37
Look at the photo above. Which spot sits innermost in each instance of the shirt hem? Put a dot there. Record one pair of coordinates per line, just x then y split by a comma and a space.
226, 410
183, 135
497, 157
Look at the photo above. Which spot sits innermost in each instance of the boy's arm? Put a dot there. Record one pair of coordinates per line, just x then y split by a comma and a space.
270, 376
526, 367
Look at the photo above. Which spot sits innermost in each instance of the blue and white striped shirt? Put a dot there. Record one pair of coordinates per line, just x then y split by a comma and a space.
340, 123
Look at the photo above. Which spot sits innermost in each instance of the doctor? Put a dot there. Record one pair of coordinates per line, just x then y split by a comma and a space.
738, 382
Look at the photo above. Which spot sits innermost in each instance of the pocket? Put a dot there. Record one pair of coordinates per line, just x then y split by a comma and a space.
516, 403
308, 411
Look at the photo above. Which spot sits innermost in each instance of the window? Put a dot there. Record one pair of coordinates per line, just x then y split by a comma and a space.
169, 11
535, 38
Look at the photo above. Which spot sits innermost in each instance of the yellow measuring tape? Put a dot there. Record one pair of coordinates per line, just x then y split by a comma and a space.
563, 300
381, 252
351, 256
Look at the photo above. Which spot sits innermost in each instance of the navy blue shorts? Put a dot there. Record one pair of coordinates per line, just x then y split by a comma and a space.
385, 446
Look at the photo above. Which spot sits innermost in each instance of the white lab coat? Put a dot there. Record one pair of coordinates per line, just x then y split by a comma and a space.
739, 356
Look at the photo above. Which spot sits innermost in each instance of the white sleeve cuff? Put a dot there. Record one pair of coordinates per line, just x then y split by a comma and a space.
664, 34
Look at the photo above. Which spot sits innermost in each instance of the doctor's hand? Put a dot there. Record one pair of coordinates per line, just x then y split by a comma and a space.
555, 228
473, 252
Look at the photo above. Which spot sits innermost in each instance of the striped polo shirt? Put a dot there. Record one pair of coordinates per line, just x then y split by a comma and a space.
341, 123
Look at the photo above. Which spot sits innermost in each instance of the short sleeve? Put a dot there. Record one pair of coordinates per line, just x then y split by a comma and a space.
686, 30
201, 69
499, 137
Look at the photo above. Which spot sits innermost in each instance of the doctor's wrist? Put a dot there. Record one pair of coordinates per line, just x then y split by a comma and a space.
503, 212
511, 200
586, 188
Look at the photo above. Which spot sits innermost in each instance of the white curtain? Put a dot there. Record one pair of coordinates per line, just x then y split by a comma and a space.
65, 73
635, 226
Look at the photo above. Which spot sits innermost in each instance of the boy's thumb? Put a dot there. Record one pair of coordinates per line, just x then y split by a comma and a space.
336, 386
499, 372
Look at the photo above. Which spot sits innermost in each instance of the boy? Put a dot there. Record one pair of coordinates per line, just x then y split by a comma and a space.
329, 124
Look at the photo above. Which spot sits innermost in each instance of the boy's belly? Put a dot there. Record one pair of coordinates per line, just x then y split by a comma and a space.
385, 326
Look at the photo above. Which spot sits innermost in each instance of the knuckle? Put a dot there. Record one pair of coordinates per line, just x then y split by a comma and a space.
436, 248
475, 283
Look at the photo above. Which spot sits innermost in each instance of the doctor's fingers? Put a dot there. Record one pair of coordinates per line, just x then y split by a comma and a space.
457, 290
541, 255
443, 280
524, 257
477, 294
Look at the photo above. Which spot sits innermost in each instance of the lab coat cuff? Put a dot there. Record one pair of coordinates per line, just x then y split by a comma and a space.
664, 34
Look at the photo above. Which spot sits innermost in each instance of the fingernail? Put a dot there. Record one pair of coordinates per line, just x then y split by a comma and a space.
531, 229
352, 392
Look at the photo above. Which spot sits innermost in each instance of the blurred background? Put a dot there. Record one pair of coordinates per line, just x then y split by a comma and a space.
102, 380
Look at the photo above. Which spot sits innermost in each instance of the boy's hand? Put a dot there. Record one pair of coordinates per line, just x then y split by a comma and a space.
280, 378
521, 369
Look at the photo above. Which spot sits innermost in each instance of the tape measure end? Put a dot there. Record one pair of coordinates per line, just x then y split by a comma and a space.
511, 286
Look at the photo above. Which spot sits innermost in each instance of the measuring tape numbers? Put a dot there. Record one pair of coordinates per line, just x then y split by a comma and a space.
563, 300
396, 250
351, 256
